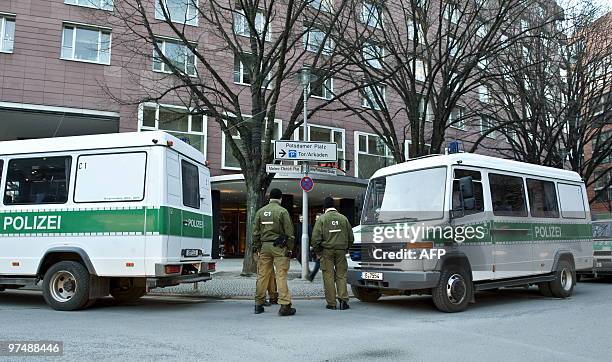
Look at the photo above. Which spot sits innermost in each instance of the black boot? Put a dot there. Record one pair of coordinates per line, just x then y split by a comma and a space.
259, 309
331, 307
344, 305
286, 310
267, 303
273, 301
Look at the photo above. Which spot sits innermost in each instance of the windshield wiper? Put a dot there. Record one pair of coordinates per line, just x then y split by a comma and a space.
404, 219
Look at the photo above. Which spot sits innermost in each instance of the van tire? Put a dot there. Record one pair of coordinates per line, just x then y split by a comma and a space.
66, 286
454, 291
367, 295
565, 279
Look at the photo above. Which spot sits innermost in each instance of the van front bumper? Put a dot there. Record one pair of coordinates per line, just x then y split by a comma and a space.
402, 280
168, 281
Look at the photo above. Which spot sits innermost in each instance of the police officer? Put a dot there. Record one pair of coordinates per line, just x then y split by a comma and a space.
273, 240
332, 237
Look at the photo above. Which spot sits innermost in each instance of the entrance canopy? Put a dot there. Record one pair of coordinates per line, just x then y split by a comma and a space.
30, 121
233, 189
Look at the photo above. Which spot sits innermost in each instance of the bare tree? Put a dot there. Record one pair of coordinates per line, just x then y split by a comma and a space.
416, 61
264, 44
552, 93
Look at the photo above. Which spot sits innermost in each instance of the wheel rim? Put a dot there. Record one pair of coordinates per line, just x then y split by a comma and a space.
456, 289
567, 279
63, 286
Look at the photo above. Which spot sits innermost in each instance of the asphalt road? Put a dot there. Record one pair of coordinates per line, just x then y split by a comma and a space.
510, 324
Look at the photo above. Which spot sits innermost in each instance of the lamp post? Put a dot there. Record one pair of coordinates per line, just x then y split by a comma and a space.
305, 240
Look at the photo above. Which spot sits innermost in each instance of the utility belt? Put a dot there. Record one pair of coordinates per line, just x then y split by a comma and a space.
279, 242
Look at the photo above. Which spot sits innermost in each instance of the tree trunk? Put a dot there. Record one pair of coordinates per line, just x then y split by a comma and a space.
254, 200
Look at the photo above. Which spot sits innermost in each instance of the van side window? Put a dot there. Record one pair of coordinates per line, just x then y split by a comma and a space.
572, 206
43, 180
542, 198
477, 182
507, 195
191, 184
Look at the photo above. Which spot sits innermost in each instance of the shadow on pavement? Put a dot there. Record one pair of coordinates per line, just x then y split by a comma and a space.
34, 300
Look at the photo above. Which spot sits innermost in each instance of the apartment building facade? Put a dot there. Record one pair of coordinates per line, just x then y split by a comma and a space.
62, 73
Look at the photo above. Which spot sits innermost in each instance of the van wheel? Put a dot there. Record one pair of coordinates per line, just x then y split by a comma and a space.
126, 291
367, 295
66, 286
454, 291
565, 279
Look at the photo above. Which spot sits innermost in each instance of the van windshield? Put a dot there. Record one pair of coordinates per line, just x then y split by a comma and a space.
409, 196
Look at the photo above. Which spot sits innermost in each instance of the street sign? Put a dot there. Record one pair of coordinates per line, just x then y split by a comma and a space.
318, 170
305, 151
306, 183
274, 168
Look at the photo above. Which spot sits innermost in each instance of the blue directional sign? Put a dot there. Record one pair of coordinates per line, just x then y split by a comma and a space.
306, 183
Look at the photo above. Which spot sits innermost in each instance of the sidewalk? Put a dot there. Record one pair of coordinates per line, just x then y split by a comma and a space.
228, 283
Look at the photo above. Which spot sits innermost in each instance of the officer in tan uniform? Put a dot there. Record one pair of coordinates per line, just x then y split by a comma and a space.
273, 241
332, 236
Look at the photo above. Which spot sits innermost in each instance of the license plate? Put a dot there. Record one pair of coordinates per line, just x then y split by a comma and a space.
371, 276
191, 253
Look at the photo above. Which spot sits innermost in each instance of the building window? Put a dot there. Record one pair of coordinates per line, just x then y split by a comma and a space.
452, 13
178, 11
175, 120
483, 94
7, 34
371, 14
324, 134
179, 55
314, 39
415, 31
243, 63
407, 143
322, 5
603, 187
371, 154
373, 55
600, 141
486, 123
35, 181
96, 4
420, 73
374, 96
482, 30
228, 160
321, 85
456, 120
86, 44
241, 25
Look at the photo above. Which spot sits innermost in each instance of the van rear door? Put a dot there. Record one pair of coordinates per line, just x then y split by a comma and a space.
192, 221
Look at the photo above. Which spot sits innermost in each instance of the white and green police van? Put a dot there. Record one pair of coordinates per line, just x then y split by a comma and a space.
451, 225
89, 216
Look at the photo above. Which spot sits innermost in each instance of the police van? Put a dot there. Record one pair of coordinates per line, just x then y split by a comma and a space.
89, 216
451, 225
602, 250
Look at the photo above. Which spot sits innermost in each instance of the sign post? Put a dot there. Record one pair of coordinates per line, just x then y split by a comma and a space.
304, 151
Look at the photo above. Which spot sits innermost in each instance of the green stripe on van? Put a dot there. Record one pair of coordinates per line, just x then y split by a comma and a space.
117, 221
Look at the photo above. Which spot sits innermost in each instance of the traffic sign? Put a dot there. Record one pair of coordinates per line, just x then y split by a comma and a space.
306, 183
305, 151
274, 168
318, 170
